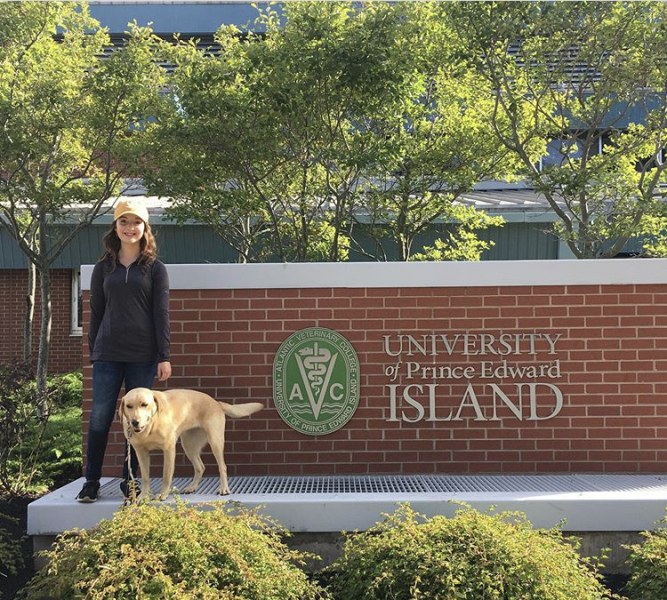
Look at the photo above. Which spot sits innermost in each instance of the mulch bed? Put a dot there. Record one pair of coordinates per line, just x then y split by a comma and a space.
17, 510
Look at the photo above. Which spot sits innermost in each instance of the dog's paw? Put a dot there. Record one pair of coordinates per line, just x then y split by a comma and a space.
223, 492
162, 495
191, 489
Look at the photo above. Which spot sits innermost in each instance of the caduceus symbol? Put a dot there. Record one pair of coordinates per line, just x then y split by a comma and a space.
316, 366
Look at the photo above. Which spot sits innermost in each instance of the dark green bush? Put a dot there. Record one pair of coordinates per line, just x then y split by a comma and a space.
472, 556
37, 454
58, 458
11, 557
17, 413
648, 567
177, 552
65, 391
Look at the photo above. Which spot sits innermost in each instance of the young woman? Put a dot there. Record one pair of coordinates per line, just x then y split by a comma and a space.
128, 336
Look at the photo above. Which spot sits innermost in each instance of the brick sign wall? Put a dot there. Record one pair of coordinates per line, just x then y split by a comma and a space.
522, 367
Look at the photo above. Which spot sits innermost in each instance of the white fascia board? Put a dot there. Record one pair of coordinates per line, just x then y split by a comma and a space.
413, 274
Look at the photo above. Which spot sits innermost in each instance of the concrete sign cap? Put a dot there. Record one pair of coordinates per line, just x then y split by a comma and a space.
130, 207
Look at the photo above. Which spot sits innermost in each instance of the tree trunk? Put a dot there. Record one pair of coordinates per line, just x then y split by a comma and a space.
29, 313
44, 342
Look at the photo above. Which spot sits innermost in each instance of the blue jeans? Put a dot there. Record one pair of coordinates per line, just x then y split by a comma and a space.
108, 377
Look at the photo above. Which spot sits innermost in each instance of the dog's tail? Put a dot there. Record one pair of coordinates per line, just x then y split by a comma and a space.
236, 411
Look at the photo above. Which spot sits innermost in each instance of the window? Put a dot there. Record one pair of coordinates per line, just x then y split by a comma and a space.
651, 162
77, 304
559, 150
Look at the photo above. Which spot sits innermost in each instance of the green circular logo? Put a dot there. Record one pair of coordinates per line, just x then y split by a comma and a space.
316, 381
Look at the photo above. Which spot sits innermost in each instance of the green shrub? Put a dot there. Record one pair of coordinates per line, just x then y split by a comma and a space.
471, 556
17, 413
65, 391
648, 567
36, 454
11, 556
59, 442
58, 459
177, 552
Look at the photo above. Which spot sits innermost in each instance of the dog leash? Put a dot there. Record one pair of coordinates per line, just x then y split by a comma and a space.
132, 488
132, 491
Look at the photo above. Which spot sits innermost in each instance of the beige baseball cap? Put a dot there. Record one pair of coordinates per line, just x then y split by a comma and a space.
130, 207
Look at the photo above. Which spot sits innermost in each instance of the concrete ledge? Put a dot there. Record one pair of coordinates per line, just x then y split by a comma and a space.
579, 502
605, 512
413, 274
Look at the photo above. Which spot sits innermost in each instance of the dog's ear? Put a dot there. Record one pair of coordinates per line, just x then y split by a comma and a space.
121, 409
157, 398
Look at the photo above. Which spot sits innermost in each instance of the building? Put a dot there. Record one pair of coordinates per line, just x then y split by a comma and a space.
525, 236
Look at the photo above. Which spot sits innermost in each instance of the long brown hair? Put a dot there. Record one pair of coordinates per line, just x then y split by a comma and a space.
147, 245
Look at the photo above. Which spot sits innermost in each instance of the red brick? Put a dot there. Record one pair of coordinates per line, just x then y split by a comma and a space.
611, 356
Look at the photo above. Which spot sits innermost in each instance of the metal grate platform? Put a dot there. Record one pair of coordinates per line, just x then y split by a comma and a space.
414, 484
334, 503
427, 484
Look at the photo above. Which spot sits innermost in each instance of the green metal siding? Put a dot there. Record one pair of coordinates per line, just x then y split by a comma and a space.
11, 256
176, 244
85, 248
195, 244
513, 241
521, 241
192, 244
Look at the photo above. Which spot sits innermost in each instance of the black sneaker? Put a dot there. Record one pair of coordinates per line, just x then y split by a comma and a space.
130, 489
89, 492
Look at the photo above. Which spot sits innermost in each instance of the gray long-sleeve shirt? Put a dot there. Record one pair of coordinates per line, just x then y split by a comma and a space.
129, 312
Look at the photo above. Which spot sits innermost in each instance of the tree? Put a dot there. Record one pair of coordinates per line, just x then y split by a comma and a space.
209, 149
435, 143
69, 118
580, 93
262, 144
282, 140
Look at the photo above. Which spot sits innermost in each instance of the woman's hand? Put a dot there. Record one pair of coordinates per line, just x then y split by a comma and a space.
163, 370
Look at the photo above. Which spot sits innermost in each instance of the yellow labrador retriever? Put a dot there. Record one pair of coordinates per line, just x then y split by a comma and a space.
154, 420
